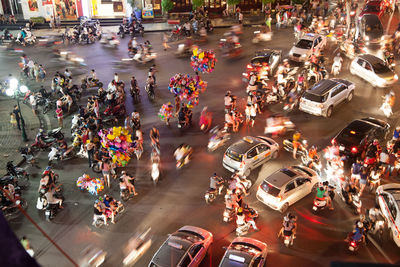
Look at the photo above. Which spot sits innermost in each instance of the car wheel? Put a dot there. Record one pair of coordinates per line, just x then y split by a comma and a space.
274, 155
284, 208
350, 96
329, 112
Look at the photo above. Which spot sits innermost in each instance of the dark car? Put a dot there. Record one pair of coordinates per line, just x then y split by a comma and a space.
355, 137
371, 29
268, 57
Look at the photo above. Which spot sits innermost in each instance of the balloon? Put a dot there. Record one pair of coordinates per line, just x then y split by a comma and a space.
110, 137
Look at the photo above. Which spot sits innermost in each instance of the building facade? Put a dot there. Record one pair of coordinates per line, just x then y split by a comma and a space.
66, 9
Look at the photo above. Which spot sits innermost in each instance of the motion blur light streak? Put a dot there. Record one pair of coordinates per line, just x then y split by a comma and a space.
310, 218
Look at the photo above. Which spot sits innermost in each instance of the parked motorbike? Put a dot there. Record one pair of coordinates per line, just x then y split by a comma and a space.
88, 82
15, 171
56, 155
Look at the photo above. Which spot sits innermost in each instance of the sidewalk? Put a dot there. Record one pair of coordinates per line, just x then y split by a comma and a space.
11, 138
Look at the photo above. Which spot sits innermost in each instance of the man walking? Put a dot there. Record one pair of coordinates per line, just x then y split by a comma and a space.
17, 116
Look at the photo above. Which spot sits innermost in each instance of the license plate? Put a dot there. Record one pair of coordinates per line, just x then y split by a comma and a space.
341, 148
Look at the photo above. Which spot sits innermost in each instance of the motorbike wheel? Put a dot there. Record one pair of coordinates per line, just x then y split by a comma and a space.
96, 168
98, 223
125, 197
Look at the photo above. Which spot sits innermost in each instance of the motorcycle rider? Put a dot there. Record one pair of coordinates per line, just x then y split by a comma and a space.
296, 143
154, 136
289, 226
150, 83
348, 189
356, 171
323, 195
337, 62
205, 119
215, 181
93, 76
358, 234
228, 101
134, 86
231, 121
152, 73
129, 183
242, 219
373, 151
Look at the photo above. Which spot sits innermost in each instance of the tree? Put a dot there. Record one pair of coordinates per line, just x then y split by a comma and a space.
233, 2
166, 5
135, 3
267, 2
197, 3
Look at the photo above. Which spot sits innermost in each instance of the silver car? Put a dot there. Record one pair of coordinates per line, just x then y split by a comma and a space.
186, 247
325, 95
249, 153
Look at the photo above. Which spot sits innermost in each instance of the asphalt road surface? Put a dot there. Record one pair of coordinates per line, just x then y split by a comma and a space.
178, 199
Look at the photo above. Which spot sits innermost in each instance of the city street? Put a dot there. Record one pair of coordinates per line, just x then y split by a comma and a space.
178, 199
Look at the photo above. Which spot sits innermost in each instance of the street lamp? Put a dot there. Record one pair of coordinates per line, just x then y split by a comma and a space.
16, 91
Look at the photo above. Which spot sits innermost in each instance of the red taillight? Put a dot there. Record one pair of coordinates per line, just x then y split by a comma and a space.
333, 141
249, 66
354, 149
353, 244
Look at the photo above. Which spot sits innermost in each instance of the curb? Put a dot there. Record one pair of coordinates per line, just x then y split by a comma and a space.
218, 27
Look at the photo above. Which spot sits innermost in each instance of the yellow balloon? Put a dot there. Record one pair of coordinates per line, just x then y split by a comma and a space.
110, 136
128, 139
201, 55
195, 52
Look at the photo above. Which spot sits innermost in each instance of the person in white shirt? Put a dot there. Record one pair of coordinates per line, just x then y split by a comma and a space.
337, 62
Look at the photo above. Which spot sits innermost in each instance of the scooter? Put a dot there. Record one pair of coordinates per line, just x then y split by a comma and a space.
55, 155
90, 83
301, 150
212, 193
124, 194
243, 229
183, 51
155, 171
150, 91
336, 69
145, 58
386, 109
136, 247
229, 214
261, 37
354, 245
16, 171
214, 143
287, 240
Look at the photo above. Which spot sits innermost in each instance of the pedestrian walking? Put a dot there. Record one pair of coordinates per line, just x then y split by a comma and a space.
51, 23
165, 41
105, 169
17, 116
268, 22
58, 22
33, 102
59, 113
278, 20
42, 73
36, 71
13, 120
90, 147
240, 17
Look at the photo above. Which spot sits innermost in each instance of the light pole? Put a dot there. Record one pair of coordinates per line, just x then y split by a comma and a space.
15, 90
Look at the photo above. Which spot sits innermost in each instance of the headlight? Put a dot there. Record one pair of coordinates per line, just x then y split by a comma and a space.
291, 53
396, 77
304, 55
366, 38
381, 82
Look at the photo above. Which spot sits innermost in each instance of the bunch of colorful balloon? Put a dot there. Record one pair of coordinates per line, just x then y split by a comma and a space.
187, 88
165, 113
117, 140
203, 61
93, 185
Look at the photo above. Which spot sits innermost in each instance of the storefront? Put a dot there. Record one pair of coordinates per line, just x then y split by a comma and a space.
107, 8
247, 5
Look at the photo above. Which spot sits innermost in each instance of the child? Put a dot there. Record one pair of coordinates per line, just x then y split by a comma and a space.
13, 120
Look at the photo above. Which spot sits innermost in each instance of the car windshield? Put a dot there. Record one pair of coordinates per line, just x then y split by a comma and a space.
380, 68
260, 60
304, 44
246, 247
315, 98
371, 8
234, 155
350, 136
374, 28
270, 189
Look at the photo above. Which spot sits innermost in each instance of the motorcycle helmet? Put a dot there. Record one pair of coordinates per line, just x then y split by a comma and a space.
360, 225
338, 54
375, 142
48, 168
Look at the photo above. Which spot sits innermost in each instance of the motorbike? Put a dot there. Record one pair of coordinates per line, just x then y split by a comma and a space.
373, 182
88, 82
386, 109
229, 214
136, 247
109, 41
320, 204
287, 240
12, 211
144, 58
48, 105
280, 127
184, 160
121, 31
240, 119
314, 163
261, 37
212, 193
214, 143
243, 229
100, 222
183, 51
301, 150
354, 245
155, 171
115, 111
355, 204
150, 91
124, 194
135, 93
16, 171
27, 154
55, 155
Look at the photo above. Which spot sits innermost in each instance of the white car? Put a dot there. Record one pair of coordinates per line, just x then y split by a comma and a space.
388, 199
287, 186
186, 247
307, 45
249, 153
373, 70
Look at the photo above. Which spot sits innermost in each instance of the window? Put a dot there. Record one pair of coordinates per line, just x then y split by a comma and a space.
301, 181
194, 250
338, 89
320, 39
392, 208
368, 66
315, 42
262, 148
252, 153
360, 62
186, 260
289, 186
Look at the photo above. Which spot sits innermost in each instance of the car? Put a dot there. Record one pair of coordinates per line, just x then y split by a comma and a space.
373, 70
249, 153
373, 7
388, 200
371, 29
245, 252
286, 186
325, 95
269, 57
355, 137
186, 247
307, 45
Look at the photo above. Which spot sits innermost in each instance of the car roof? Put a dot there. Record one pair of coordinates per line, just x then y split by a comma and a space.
371, 18
310, 36
266, 52
360, 126
373, 3
236, 258
252, 241
281, 177
171, 251
245, 144
371, 58
322, 87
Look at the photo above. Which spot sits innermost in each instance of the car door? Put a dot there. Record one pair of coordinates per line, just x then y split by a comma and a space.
251, 157
360, 70
289, 194
197, 252
187, 261
263, 154
384, 204
273, 61
341, 93
303, 187
369, 71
